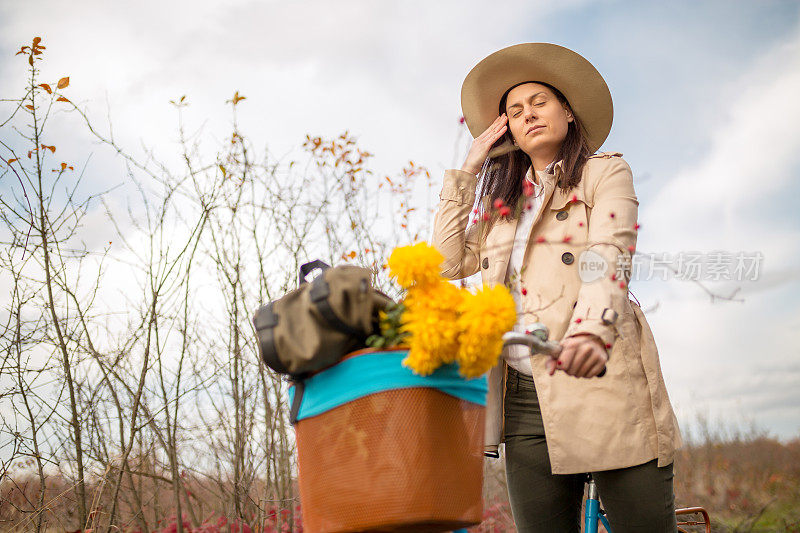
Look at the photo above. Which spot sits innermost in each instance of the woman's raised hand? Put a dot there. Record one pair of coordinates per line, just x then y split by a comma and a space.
483, 143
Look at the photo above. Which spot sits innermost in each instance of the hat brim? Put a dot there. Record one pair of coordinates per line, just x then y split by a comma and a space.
567, 71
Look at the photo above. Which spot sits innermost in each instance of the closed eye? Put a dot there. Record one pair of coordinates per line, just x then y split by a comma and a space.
517, 113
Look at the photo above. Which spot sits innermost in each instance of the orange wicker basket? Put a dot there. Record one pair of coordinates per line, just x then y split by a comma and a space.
404, 459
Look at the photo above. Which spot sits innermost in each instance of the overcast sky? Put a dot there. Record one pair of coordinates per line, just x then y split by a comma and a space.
705, 112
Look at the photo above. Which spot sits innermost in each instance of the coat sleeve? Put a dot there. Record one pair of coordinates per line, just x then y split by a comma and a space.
451, 236
612, 235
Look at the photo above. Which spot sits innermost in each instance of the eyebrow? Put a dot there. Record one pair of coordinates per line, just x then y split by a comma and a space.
530, 98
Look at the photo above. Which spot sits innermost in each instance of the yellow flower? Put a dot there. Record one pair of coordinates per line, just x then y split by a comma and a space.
447, 324
421, 362
483, 318
431, 317
419, 264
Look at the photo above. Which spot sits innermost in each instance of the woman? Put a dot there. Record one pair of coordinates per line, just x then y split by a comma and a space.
557, 223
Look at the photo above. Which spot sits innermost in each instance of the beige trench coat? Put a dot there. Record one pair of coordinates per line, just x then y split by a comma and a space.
624, 418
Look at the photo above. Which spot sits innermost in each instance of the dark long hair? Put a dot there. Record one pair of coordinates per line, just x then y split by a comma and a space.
503, 174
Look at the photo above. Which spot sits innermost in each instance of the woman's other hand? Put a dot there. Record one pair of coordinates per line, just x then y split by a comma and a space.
479, 150
582, 355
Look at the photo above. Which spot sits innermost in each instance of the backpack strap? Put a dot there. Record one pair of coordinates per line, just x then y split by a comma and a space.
265, 322
306, 269
319, 293
299, 389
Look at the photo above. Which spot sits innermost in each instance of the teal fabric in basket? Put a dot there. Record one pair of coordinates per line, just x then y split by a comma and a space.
369, 373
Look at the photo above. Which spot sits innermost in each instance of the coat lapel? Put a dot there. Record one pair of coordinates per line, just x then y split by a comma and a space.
502, 240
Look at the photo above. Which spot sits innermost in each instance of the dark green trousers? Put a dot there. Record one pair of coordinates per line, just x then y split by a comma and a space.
636, 499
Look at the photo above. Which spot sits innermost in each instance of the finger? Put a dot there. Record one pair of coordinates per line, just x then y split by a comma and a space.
569, 366
582, 353
494, 126
495, 131
598, 367
592, 360
595, 370
565, 358
550, 365
500, 123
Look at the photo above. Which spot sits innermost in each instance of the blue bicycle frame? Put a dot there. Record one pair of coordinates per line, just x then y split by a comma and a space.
594, 514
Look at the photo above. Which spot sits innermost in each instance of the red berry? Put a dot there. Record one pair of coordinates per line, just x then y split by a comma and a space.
529, 206
578, 320
637, 226
558, 363
505, 211
498, 203
614, 276
612, 215
527, 188
475, 220
574, 198
524, 291
631, 248
567, 238
621, 284
540, 239
608, 345
580, 224
485, 216
475, 210
461, 120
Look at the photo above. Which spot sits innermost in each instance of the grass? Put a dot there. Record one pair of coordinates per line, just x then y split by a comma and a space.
748, 482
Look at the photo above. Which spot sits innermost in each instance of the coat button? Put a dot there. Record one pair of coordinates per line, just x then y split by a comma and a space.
562, 215
567, 258
485, 262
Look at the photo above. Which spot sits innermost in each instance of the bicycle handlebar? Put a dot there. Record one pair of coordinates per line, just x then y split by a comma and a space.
536, 344
536, 339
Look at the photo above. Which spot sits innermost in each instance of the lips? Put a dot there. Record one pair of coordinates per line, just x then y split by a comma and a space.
533, 128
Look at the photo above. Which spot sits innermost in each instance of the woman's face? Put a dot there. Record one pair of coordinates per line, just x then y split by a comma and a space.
537, 121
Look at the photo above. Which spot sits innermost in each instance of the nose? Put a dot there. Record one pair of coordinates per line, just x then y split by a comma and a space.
530, 114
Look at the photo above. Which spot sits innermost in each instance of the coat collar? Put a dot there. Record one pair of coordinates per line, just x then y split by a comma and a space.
501, 237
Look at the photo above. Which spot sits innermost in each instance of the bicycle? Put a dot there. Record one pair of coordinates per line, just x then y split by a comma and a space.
536, 338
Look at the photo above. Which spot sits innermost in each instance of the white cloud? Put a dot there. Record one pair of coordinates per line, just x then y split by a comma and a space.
391, 74
754, 154
732, 358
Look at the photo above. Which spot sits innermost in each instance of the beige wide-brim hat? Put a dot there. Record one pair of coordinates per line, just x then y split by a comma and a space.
567, 71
